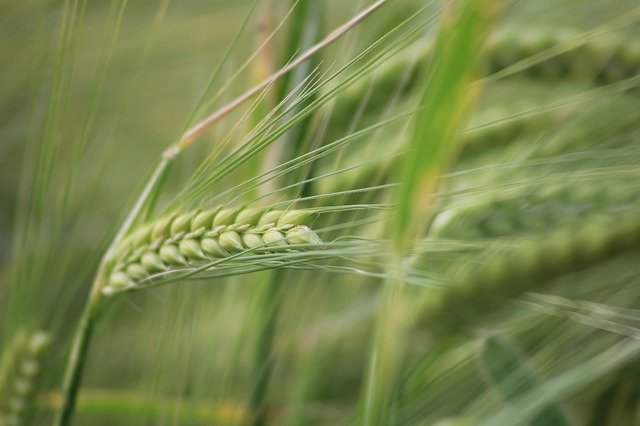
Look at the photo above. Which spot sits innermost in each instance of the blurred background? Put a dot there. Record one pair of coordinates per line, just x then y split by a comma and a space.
521, 303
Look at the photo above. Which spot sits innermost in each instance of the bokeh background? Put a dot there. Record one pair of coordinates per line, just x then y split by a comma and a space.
537, 218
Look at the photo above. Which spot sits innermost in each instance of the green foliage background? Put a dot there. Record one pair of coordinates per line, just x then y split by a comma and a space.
519, 302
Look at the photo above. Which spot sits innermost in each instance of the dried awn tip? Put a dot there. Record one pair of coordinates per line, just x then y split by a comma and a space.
19, 371
195, 238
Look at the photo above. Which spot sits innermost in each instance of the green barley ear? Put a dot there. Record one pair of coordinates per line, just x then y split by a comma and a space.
536, 234
193, 239
19, 373
500, 272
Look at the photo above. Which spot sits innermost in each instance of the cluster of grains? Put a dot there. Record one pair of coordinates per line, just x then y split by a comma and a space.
564, 230
198, 237
19, 372
482, 281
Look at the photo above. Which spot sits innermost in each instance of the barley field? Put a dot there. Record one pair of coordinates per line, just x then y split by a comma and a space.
320, 212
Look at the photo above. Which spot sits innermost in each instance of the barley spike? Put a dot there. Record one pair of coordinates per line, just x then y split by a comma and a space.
19, 372
193, 238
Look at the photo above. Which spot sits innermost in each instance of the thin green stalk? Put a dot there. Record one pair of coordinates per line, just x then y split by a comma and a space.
204, 125
78, 355
144, 202
386, 354
432, 148
263, 66
119, 407
90, 314
304, 34
307, 27
269, 305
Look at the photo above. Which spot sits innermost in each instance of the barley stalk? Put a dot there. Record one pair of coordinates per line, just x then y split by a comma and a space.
205, 124
19, 372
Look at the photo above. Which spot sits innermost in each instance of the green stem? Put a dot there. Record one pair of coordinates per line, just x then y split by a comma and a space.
263, 362
78, 355
144, 201
386, 355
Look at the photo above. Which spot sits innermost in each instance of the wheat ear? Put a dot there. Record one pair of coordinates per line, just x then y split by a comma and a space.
19, 372
195, 238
